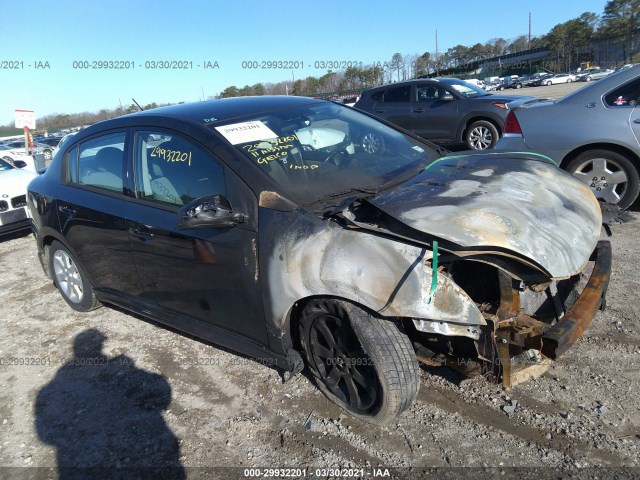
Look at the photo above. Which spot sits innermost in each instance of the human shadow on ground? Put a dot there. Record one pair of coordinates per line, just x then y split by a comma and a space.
104, 416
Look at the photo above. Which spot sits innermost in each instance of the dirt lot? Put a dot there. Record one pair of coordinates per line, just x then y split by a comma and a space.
158, 397
140, 395
153, 396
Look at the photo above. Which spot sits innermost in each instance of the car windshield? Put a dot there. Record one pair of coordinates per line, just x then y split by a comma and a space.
464, 88
323, 151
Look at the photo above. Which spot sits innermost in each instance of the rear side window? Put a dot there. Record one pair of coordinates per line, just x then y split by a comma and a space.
100, 163
398, 94
625, 96
377, 95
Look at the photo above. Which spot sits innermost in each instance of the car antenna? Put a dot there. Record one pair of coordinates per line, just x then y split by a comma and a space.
134, 101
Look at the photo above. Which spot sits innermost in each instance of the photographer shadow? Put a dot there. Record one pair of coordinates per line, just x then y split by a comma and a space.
104, 416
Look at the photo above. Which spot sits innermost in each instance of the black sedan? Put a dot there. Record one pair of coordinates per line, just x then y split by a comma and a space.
258, 224
443, 110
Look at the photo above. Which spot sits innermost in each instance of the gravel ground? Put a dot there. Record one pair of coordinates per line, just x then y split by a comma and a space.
156, 397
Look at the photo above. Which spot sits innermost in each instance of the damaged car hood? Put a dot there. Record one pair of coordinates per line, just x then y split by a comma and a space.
493, 204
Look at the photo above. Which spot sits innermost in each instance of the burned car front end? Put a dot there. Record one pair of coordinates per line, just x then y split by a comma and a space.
487, 262
520, 239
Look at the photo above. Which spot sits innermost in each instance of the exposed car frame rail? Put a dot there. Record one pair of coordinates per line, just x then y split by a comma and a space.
559, 338
512, 329
511, 334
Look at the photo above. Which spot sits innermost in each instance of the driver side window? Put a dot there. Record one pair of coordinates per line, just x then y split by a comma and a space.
430, 93
172, 170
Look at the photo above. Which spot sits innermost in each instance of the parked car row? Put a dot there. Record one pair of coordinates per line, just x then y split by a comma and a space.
14, 150
593, 74
539, 79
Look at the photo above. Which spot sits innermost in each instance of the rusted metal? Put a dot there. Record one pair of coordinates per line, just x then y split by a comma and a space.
502, 348
509, 297
559, 338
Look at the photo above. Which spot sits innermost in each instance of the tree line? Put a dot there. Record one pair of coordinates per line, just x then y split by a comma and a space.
571, 42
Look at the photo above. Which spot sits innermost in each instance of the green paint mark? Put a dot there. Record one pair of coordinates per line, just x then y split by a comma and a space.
434, 269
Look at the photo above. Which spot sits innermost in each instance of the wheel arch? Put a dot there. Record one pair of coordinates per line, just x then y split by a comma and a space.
45, 239
619, 149
290, 331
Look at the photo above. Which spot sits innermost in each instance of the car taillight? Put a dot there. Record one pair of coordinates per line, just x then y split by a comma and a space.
511, 125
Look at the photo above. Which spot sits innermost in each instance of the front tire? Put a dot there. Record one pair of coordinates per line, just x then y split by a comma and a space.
612, 177
70, 279
360, 362
481, 135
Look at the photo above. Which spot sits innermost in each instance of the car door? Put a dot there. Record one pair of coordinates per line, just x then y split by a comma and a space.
395, 106
435, 112
622, 105
210, 273
91, 204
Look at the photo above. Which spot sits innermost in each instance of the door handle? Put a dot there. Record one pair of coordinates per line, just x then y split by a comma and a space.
142, 235
419, 110
69, 212
380, 111
637, 120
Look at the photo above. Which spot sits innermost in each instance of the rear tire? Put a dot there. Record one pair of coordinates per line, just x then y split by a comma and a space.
612, 177
70, 279
362, 363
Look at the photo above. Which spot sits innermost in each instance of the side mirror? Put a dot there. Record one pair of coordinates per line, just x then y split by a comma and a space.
211, 211
19, 163
447, 97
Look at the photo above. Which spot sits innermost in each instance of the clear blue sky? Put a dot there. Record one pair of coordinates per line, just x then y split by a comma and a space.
230, 32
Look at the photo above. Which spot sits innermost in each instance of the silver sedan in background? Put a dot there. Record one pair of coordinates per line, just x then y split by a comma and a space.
592, 133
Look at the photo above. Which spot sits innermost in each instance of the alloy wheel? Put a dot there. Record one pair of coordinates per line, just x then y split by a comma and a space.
68, 276
480, 138
344, 367
605, 177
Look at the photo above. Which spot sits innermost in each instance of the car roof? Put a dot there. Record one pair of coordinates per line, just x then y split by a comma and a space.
602, 86
199, 114
223, 109
411, 82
